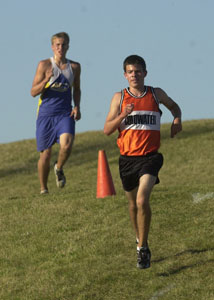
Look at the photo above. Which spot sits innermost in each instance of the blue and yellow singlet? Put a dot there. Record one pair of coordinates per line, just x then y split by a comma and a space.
57, 97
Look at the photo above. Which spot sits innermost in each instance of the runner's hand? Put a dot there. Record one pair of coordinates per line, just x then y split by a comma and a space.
76, 113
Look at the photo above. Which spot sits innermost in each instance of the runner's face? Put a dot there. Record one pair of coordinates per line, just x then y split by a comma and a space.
59, 47
135, 75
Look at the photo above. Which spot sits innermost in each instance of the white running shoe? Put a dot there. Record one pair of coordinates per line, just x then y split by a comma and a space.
60, 177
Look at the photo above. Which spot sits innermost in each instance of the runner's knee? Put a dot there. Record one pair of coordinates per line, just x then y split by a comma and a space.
66, 147
45, 156
66, 142
143, 202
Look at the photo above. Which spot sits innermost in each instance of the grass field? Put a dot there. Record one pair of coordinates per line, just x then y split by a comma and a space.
69, 245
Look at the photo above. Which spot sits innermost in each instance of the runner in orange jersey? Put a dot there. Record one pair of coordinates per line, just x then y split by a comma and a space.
135, 113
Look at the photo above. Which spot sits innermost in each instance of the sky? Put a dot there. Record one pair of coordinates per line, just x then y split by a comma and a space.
175, 37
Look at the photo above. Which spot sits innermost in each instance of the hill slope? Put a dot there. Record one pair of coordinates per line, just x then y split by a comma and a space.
70, 245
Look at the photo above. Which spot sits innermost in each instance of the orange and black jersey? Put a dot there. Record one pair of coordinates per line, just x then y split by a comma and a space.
139, 132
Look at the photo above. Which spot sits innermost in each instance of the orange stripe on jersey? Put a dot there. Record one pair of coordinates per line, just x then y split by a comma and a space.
139, 132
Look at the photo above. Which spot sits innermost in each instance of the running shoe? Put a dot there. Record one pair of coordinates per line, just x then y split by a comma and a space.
60, 177
42, 192
143, 258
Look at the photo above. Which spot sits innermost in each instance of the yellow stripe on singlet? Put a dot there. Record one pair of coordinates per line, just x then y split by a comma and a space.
40, 99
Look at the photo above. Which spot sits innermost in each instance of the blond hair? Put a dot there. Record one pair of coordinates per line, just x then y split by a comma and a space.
63, 35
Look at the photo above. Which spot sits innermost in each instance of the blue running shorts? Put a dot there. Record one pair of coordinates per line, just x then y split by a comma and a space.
49, 129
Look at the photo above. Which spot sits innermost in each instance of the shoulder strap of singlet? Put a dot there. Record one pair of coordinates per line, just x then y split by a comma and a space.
68, 64
52, 61
121, 100
156, 99
154, 95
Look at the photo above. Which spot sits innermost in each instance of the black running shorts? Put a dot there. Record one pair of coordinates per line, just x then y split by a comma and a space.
133, 167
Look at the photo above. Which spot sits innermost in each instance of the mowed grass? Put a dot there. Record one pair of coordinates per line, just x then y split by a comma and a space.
69, 245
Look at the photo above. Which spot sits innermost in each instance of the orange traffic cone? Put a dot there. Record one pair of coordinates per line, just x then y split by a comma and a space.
105, 186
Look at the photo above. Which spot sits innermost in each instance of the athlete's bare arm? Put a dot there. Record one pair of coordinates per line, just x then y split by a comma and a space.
115, 117
76, 67
43, 74
173, 108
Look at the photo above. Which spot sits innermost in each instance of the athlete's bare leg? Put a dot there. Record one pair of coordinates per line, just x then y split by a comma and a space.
139, 208
132, 195
143, 207
66, 141
44, 168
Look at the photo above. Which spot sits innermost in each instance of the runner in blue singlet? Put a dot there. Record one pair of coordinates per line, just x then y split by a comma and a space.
57, 81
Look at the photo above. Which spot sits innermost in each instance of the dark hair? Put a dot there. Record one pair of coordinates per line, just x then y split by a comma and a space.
134, 60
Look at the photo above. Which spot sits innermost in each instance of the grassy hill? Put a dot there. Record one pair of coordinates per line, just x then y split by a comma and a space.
68, 245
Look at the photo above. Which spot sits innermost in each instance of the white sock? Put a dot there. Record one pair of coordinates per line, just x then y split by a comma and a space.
144, 247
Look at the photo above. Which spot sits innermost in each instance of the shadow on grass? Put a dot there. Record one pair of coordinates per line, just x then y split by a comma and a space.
28, 167
178, 270
175, 271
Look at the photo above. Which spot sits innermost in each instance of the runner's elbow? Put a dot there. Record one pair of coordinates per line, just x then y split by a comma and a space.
106, 131
33, 93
